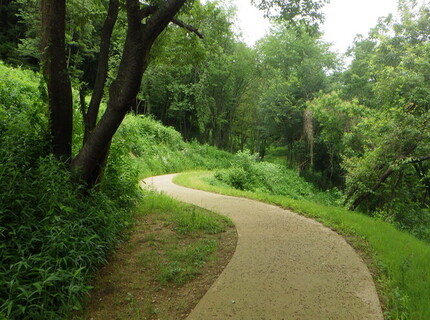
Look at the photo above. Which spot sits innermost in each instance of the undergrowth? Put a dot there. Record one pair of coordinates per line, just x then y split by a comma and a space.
157, 149
53, 235
249, 174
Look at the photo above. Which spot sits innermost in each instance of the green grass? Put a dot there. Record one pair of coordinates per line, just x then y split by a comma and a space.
170, 244
180, 264
186, 218
403, 261
183, 264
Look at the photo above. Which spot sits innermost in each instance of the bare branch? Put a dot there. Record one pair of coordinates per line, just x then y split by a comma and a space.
188, 27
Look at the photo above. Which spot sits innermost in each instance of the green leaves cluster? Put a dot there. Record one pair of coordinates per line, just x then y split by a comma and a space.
383, 148
249, 174
197, 85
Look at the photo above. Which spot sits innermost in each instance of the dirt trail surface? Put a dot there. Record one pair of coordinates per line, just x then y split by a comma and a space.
285, 266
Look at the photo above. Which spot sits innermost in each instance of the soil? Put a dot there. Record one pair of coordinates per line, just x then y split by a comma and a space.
127, 287
285, 266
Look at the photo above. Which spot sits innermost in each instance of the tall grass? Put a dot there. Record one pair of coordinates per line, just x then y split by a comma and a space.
402, 259
51, 236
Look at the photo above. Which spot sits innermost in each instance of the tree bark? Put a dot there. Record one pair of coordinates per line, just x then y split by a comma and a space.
123, 91
55, 72
90, 118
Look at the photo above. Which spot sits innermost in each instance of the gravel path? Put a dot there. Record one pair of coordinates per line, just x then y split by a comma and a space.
285, 266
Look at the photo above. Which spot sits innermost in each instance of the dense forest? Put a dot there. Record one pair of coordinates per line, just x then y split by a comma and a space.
95, 95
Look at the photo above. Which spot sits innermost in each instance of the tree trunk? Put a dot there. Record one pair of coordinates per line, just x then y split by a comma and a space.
55, 72
375, 187
123, 91
90, 118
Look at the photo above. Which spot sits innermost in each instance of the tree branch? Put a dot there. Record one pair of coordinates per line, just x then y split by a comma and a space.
147, 11
150, 10
188, 27
90, 118
420, 159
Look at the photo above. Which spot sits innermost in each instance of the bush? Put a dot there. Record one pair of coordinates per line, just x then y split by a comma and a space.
249, 174
157, 149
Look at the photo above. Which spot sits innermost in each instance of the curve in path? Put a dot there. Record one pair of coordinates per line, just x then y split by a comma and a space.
285, 266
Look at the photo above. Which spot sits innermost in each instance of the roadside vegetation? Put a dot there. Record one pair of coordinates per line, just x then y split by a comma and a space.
173, 254
400, 260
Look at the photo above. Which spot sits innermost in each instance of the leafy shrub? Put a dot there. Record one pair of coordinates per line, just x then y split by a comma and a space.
249, 174
157, 149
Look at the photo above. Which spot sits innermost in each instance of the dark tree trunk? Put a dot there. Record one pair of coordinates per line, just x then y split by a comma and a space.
55, 71
387, 173
123, 91
90, 118
375, 187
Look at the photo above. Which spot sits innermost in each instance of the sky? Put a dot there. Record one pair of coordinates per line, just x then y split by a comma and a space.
344, 19
347, 18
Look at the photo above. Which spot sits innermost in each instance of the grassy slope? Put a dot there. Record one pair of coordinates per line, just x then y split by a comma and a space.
402, 259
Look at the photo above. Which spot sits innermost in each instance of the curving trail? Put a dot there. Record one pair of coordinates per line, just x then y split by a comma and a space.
285, 266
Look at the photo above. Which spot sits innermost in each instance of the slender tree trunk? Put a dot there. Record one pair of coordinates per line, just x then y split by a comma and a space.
375, 187
90, 118
54, 65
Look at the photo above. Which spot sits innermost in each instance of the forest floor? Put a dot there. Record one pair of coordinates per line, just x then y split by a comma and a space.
285, 266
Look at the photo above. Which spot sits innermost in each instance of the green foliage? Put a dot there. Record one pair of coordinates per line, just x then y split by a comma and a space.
294, 67
248, 174
334, 119
305, 12
51, 234
157, 149
383, 154
199, 93
394, 141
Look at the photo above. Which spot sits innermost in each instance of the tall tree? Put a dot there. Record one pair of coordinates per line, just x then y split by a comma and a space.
294, 65
124, 89
60, 103
392, 161
145, 22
